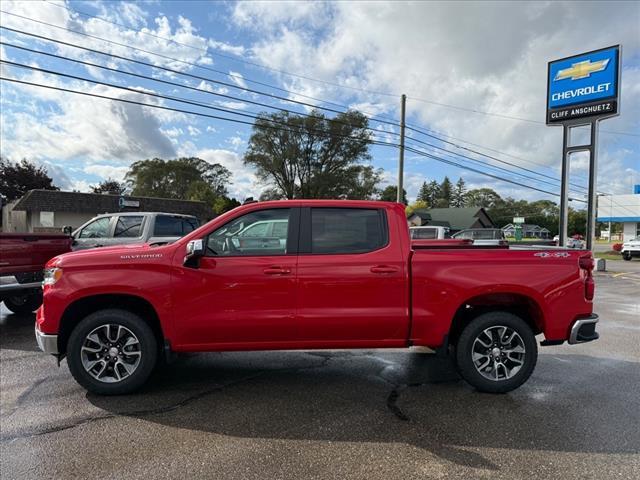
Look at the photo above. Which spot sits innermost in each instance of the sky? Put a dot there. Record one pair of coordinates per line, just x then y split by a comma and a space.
474, 74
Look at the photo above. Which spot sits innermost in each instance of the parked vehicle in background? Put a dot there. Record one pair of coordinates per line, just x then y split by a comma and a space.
112, 229
482, 236
429, 233
631, 249
577, 241
342, 274
22, 259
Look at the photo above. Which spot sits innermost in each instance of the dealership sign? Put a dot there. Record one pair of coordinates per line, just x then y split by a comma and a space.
584, 85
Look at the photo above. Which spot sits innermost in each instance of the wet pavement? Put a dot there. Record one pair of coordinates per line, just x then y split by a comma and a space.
333, 414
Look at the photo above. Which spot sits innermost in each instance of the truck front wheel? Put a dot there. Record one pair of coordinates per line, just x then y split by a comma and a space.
112, 352
24, 303
496, 352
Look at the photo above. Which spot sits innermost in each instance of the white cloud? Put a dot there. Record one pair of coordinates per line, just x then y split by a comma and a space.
82, 127
227, 48
234, 105
107, 171
193, 131
237, 78
245, 184
477, 55
236, 142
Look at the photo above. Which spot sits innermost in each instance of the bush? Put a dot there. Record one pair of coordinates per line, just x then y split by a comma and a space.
617, 247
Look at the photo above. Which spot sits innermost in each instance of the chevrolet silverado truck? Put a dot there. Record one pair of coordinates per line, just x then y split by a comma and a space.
341, 275
22, 260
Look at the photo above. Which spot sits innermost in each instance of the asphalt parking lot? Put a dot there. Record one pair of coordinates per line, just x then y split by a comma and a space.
338, 414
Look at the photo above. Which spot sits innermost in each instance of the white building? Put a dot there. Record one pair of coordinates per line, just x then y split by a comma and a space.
624, 209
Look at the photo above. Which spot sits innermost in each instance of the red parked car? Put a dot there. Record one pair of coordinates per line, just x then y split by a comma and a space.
317, 274
22, 259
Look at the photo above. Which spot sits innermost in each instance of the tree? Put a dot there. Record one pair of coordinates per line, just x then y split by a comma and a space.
417, 205
459, 192
424, 194
18, 178
577, 222
482, 197
110, 187
224, 204
174, 178
445, 194
313, 156
390, 194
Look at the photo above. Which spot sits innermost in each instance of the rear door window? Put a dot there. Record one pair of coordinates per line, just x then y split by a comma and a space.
169, 226
347, 230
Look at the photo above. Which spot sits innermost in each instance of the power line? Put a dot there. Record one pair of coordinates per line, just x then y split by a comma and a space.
508, 117
216, 117
248, 101
167, 82
170, 70
176, 99
230, 57
191, 64
489, 156
455, 107
502, 179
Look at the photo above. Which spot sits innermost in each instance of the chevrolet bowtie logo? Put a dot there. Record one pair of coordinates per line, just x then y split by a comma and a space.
581, 70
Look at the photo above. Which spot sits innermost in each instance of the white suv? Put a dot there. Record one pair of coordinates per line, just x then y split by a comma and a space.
631, 249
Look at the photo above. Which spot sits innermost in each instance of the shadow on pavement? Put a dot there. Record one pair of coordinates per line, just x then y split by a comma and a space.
16, 331
573, 403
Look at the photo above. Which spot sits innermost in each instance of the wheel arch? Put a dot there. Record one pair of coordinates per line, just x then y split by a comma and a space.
84, 306
518, 304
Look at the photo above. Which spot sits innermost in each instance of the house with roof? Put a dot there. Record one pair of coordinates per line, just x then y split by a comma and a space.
455, 218
528, 231
50, 210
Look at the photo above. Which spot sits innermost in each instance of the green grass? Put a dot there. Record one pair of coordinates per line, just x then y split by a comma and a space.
609, 255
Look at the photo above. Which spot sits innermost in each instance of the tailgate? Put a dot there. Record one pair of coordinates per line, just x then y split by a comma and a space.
26, 252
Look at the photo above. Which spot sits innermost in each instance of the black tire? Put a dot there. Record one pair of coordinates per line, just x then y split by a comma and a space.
465, 349
24, 303
148, 346
626, 256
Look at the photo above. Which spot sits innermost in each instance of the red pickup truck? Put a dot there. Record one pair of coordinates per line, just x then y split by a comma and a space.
22, 260
308, 274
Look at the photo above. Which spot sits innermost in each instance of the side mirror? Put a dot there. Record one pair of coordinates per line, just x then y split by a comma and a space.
195, 250
67, 229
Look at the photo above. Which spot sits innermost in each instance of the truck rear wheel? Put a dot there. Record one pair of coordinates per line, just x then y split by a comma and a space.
23, 303
112, 352
626, 256
496, 352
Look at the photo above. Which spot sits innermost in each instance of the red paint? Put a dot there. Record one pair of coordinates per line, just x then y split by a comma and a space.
394, 296
28, 252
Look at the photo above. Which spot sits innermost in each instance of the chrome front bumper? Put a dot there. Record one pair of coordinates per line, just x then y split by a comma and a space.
47, 343
584, 330
9, 282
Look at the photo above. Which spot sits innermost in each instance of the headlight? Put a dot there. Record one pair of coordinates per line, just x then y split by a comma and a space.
52, 275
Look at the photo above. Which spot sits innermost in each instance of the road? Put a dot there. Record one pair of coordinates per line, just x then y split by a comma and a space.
338, 414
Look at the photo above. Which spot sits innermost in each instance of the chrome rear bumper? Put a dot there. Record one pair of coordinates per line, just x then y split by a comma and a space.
584, 330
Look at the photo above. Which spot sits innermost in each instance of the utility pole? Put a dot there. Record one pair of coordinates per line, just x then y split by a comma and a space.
403, 105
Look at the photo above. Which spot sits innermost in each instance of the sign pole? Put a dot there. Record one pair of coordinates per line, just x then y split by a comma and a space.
593, 175
564, 189
403, 104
